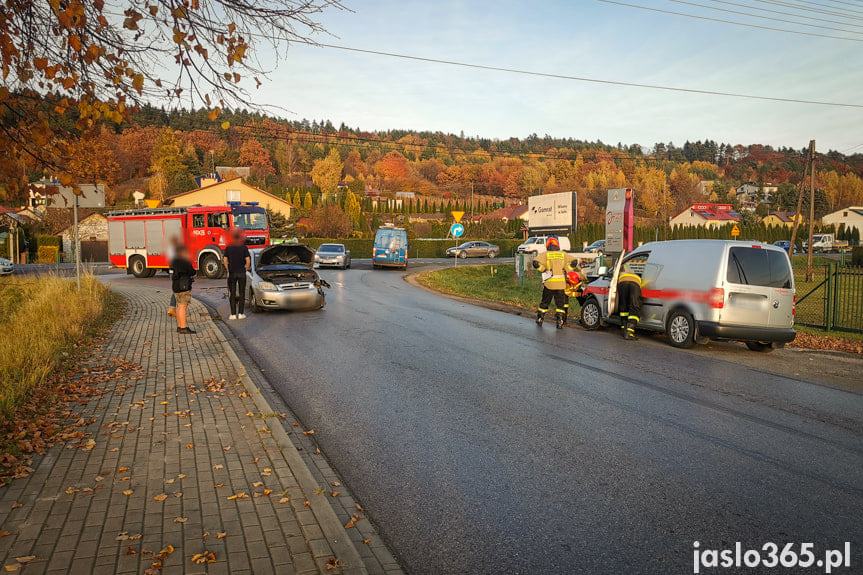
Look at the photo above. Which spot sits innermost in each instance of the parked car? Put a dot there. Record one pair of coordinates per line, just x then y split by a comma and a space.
333, 255
697, 290
281, 277
536, 245
596, 247
784, 244
6, 267
391, 247
474, 250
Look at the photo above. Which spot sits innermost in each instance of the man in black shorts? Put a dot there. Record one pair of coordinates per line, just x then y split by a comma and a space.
237, 261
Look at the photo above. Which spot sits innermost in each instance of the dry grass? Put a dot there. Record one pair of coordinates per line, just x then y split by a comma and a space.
41, 321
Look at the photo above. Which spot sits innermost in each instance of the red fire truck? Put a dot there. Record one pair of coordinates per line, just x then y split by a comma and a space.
138, 240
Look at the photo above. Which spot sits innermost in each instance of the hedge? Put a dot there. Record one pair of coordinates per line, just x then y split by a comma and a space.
48, 254
857, 256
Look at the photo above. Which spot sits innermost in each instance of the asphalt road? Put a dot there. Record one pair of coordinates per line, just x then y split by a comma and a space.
480, 443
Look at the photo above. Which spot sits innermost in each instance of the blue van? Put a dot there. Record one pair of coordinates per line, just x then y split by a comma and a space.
391, 248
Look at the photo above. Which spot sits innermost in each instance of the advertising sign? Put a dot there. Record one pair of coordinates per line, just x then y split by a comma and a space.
553, 212
57, 196
619, 221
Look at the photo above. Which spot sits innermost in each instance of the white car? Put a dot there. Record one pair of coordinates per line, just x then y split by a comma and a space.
536, 245
6, 267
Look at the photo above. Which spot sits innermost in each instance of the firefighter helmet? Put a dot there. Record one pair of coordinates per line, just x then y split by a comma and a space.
573, 277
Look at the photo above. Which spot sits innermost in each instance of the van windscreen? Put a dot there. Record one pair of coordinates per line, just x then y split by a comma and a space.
758, 267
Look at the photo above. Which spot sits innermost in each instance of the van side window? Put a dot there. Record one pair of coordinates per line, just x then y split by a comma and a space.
758, 267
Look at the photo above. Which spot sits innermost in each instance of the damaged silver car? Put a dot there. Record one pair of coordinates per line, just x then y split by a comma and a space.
281, 277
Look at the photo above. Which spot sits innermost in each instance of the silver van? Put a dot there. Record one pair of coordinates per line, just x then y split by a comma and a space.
697, 290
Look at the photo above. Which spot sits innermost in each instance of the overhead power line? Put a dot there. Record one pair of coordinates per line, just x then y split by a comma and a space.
586, 79
785, 13
721, 21
806, 8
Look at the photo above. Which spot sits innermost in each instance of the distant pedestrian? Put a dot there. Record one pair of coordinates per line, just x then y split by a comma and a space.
173, 242
553, 264
237, 261
182, 276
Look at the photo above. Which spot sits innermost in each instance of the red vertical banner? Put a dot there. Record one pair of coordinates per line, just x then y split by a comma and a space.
628, 222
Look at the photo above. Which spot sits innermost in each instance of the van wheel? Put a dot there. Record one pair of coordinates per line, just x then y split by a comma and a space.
761, 346
591, 314
681, 329
211, 267
139, 267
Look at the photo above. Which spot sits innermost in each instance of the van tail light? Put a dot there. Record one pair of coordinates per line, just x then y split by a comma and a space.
717, 298
794, 305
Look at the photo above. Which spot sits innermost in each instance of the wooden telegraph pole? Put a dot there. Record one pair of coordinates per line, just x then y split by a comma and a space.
798, 214
809, 272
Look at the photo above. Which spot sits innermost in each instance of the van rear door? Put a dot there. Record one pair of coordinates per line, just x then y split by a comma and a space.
759, 288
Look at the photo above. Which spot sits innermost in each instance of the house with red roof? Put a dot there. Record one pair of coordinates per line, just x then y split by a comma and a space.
706, 215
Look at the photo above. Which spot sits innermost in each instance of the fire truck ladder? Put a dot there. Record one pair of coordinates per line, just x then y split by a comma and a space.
148, 212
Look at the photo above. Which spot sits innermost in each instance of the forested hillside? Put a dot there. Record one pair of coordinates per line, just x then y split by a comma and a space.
161, 152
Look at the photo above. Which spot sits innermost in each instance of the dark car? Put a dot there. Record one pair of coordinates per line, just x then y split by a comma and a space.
596, 247
474, 250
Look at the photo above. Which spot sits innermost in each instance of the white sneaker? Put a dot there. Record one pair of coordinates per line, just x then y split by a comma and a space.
232, 317
241, 316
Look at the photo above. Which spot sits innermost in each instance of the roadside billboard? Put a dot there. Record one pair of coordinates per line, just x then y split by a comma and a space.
618, 221
92, 196
553, 213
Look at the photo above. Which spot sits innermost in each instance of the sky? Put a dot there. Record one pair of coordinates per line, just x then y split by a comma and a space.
584, 38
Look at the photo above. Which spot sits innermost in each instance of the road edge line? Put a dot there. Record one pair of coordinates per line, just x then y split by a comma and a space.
333, 529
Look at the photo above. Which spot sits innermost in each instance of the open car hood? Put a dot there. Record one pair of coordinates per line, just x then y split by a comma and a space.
285, 255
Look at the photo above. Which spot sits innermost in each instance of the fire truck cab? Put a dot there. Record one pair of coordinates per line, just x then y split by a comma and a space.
139, 240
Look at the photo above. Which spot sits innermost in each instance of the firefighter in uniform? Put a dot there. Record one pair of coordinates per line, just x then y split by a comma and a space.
553, 264
575, 281
629, 300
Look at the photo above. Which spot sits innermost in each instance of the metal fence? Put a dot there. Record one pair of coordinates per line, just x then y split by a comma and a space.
833, 300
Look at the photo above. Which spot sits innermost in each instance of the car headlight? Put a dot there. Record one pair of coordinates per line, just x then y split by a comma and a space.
266, 286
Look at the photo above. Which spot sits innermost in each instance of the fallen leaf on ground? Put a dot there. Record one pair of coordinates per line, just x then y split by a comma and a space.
71, 490
221, 535
167, 550
25, 559
205, 557
160, 497
350, 523
258, 484
335, 484
219, 466
169, 481
228, 448
135, 537
123, 470
180, 519
125, 478
190, 446
181, 476
178, 494
367, 541
13, 567
309, 432
130, 550
333, 563
284, 499
265, 493
217, 485
238, 496
16, 505
4, 533
127, 492
359, 508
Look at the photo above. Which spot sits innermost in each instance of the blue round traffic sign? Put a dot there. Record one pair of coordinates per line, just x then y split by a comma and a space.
457, 230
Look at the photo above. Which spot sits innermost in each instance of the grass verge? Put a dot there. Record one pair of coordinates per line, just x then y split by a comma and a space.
43, 320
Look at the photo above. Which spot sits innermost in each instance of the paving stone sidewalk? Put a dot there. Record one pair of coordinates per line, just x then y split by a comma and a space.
185, 462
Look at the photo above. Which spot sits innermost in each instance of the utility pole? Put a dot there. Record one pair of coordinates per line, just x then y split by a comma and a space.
809, 272
471, 201
77, 246
798, 215
665, 209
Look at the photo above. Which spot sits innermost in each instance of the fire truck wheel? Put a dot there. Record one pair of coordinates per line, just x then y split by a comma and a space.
139, 267
211, 267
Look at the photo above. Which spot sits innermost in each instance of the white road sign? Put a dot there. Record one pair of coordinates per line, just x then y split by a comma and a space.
553, 212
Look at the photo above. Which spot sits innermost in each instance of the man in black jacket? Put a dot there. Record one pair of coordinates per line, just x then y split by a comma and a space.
182, 276
237, 261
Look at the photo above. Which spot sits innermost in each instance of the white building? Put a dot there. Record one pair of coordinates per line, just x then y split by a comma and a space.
851, 216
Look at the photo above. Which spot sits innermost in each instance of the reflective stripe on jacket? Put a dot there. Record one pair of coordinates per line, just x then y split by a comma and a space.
628, 277
558, 263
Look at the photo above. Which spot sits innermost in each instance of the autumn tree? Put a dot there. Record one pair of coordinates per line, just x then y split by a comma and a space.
167, 164
254, 155
329, 221
69, 66
307, 201
352, 207
327, 173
